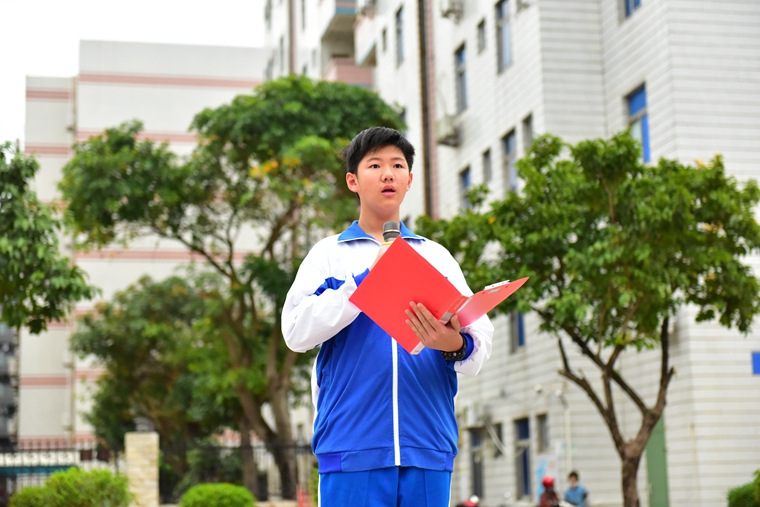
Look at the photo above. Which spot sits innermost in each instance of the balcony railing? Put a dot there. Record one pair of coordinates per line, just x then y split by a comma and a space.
345, 70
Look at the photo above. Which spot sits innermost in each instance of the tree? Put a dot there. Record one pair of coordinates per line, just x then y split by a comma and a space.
266, 165
614, 248
160, 363
37, 284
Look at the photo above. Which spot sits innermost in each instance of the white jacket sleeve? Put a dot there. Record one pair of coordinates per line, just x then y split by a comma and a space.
309, 319
481, 330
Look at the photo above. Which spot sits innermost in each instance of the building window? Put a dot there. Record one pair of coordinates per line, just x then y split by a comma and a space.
509, 147
282, 55
487, 173
522, 457
476, 460
516, 331
268, 14
638, 120
481, 36
400, 36
384, 39
542, 423
464, 187
303, 14
461, 74
269, 73
527, 126
630, 6
402, 115
305, 69
503, 35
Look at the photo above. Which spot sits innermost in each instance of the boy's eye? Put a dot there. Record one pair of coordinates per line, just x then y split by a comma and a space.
374, 166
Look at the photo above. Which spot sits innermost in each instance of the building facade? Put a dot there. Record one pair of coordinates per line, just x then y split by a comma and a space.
164, 86
476, 81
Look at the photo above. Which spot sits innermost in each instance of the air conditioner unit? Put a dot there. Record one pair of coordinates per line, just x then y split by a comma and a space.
452, 9
446, 131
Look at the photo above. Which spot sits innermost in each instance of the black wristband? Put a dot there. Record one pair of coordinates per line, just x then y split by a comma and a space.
457, 355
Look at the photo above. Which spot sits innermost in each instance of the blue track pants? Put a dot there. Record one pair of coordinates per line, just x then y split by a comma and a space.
385, 487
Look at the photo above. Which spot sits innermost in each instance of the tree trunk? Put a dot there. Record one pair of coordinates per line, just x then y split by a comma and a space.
250, 471
630, 469
285, 450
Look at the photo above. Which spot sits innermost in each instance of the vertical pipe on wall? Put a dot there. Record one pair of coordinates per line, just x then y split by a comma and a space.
427, 142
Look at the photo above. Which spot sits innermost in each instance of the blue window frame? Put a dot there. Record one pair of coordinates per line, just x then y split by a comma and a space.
464, 187
522, 457
509, 147
756, 363
638, 119
630, 6
460, 61
517, 331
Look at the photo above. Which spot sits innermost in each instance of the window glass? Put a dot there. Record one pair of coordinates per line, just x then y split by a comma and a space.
638, 120
400, 36
503, 36
461, 75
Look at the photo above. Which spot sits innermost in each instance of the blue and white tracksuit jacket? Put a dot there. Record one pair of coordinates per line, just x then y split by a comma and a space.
376, 405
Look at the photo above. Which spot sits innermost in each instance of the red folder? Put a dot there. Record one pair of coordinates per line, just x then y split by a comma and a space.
401, 276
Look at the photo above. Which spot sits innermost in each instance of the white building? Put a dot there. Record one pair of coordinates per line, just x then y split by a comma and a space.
686, 76
164, 86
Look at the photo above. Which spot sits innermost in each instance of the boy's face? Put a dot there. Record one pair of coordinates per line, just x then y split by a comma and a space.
382, 180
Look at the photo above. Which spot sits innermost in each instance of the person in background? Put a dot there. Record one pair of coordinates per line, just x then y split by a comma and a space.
549, 497
575, 494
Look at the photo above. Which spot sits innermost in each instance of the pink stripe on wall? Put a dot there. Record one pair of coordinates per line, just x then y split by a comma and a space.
43, 381
169, 137
56, 150
47, 94
128, 254
137, 79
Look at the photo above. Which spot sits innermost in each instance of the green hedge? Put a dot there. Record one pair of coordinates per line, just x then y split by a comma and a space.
217, 495
76, 488
32, 496
747, 495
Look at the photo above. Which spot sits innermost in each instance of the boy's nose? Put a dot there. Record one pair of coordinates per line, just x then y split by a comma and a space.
387, 175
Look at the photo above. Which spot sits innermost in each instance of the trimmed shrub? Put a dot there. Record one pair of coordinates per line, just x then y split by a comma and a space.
217, 495
98, 488
76, 488
743, 496
31, 496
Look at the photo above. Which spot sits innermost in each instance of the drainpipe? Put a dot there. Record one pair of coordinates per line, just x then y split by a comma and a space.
427, 128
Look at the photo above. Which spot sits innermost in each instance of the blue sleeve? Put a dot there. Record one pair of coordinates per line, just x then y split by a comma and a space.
361, 276
469, 344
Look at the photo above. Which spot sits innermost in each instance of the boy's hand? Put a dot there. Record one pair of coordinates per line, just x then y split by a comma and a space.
432, 332
379, 254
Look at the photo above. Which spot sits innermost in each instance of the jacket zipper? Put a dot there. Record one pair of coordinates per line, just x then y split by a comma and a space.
396, 445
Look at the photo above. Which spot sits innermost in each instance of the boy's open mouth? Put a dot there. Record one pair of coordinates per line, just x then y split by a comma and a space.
389, 190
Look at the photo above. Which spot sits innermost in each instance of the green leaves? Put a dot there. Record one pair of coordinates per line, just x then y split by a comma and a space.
613, 246
37, 284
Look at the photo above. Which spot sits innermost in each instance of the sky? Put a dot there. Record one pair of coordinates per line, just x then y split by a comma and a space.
41, 37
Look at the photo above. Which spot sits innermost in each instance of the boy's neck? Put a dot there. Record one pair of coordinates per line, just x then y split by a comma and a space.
374, 226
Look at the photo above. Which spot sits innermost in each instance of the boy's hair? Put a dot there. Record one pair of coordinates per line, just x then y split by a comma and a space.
573, 474
373, 139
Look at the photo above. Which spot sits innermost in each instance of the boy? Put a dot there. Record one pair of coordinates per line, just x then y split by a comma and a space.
385, 432
575, 494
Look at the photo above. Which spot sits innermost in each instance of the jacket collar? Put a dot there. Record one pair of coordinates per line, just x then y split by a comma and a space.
355, 232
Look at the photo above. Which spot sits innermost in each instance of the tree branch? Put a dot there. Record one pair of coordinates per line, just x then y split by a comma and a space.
281, 221
584, 384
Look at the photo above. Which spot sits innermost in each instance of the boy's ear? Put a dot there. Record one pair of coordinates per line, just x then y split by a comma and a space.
409, 183
351, 182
